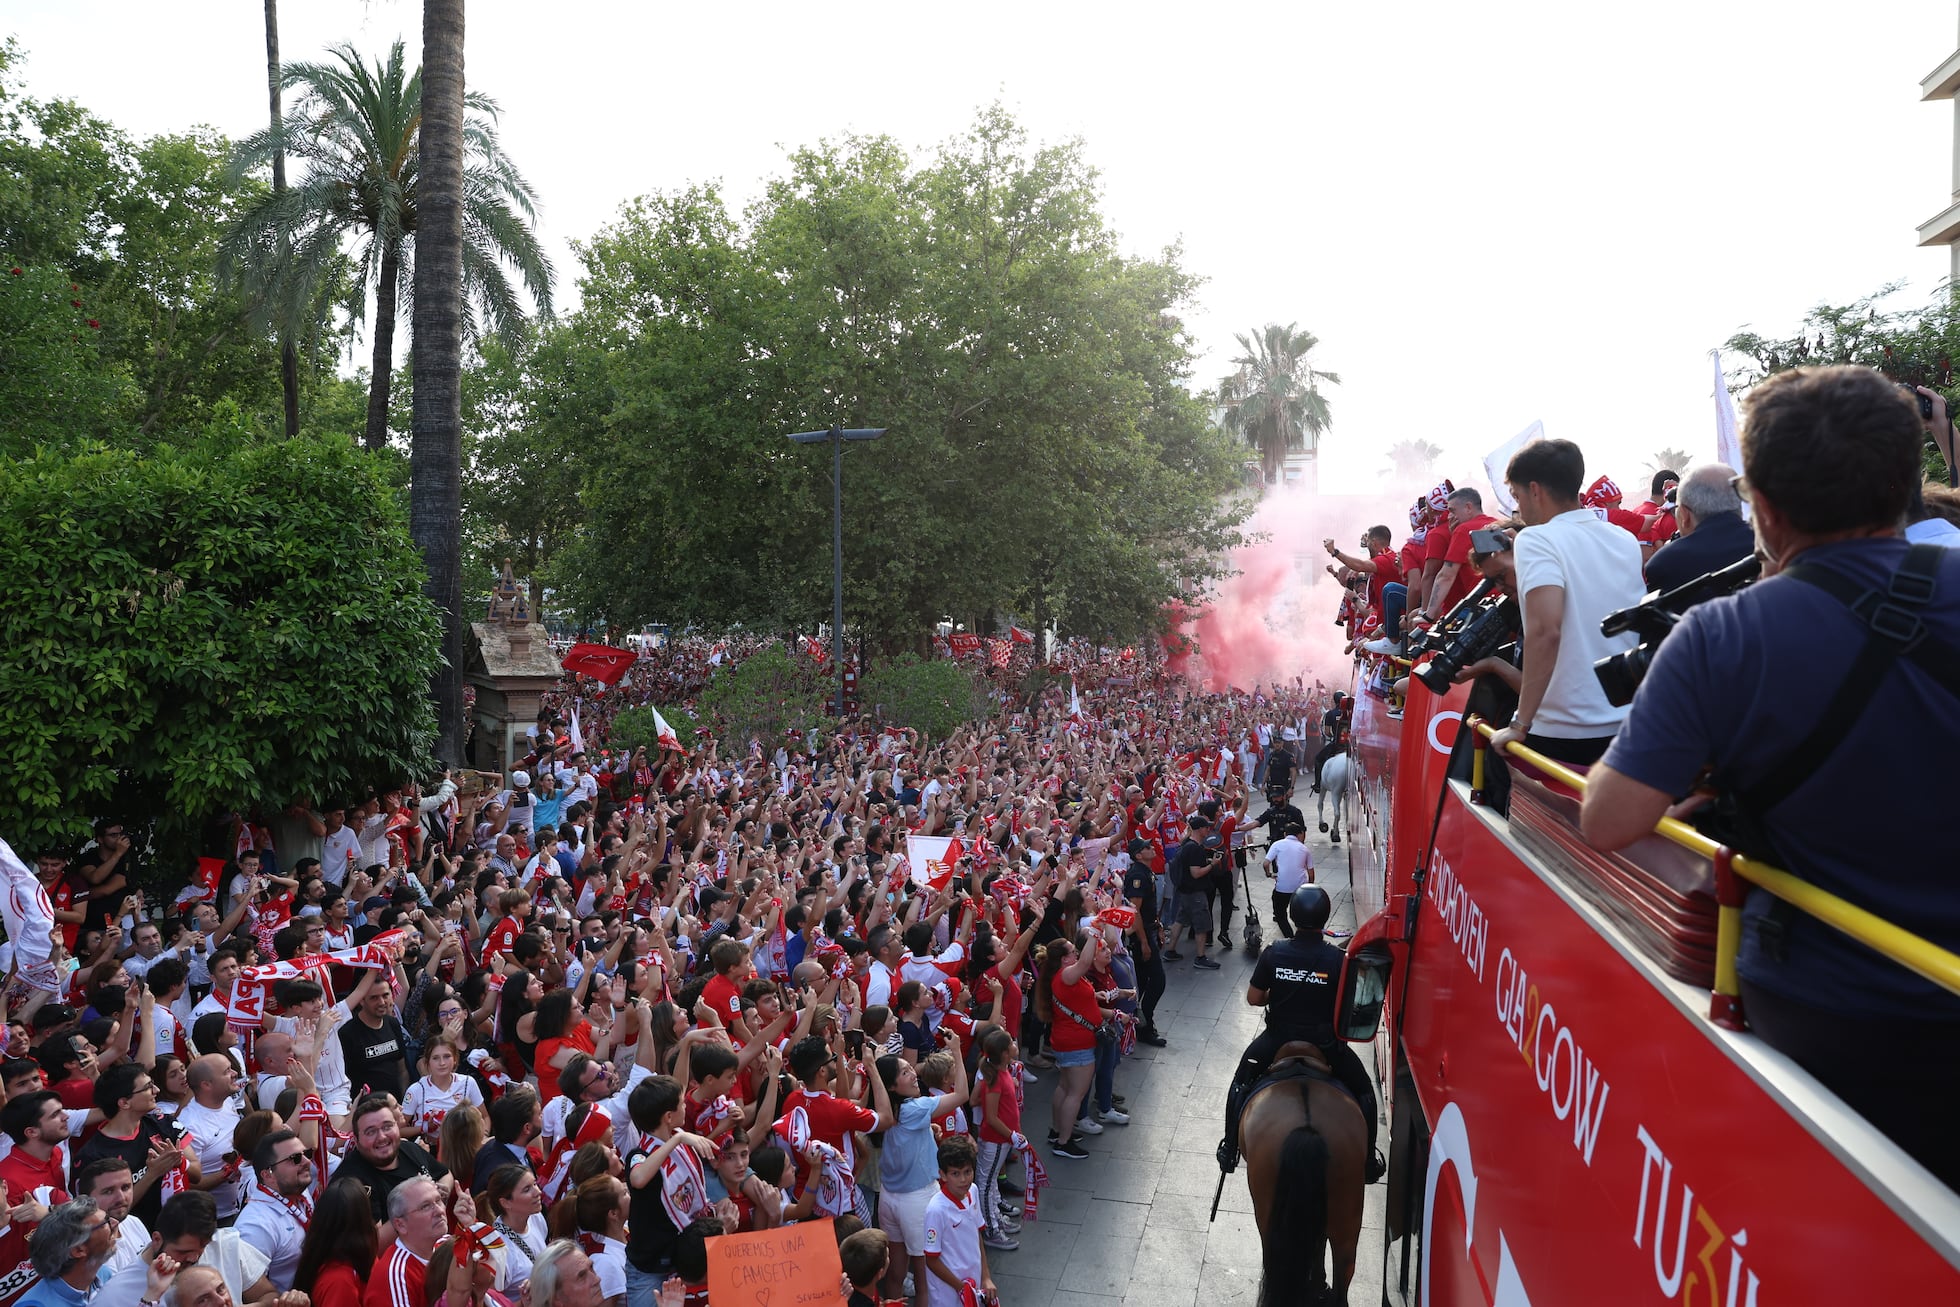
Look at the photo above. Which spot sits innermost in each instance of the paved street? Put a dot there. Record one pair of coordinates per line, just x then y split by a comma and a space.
1129, 1224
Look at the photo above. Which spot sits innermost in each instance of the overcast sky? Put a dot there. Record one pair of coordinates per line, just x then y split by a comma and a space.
1487, 213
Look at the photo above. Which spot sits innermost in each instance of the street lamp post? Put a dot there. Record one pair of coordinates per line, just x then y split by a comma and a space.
836, 436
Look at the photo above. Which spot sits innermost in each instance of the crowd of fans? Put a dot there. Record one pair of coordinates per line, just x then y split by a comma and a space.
542, 1042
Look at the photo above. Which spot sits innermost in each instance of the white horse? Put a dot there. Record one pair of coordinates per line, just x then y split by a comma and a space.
1333, 785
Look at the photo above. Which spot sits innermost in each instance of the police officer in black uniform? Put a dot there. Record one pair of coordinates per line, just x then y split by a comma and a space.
1333, 734
1298, 981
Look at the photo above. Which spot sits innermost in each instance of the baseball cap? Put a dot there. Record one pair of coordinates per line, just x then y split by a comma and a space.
520, 779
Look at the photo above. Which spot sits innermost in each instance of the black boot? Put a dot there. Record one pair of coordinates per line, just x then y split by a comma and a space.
1228, 1147
1377, 1164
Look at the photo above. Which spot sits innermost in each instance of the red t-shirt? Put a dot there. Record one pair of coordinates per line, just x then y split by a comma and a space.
1661, 531
397, 1279
1065, 1034
502, 937
1007, 1108
1467, 575
24, 1174
1009, 1015
1632, 523
62, 897
1386, 570
724, 998
832, 1119
1410, 559
270, 917
1436, 547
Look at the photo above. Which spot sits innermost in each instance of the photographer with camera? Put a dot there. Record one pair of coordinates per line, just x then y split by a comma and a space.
1573, 568
1713, 534
1838, 675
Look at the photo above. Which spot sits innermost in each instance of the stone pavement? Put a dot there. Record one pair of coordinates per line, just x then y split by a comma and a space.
1128, 1225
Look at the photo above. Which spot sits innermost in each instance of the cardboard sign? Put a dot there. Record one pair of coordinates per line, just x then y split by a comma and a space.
794, 1266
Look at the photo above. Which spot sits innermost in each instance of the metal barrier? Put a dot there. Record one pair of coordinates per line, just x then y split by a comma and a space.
1732, 869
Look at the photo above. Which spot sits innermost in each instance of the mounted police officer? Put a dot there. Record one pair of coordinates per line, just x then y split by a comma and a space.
1298, 981
1333, 734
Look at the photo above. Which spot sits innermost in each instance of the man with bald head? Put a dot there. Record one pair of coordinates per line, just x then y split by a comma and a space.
210, 1119
274, 1052
1713, 534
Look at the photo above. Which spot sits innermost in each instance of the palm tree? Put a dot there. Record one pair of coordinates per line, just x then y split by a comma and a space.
450, 258
356, 128
1273, 401
288, 351
1675, 460
1413, 460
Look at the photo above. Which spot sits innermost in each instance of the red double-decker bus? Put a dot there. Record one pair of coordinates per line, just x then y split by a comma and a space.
1569, 1125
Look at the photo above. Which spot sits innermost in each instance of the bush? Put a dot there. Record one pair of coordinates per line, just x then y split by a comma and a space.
233, 626
634, 728
765, 698
932, 696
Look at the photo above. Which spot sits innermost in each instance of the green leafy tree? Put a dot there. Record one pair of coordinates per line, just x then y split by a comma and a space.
933, 696
56, 386
1273, 400
528, 417
974, 304
354, 134
228, 624
1914, 344
1675, 460
134, 227
764, 698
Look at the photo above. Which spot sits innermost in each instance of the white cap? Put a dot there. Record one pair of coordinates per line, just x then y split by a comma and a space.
520, 779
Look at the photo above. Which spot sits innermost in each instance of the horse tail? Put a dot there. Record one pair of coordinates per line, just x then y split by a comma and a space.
1296, 1231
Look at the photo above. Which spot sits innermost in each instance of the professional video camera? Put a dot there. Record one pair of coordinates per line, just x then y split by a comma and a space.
1652, 618
1476, 628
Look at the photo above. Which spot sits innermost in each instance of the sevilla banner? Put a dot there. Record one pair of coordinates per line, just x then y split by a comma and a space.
963, 643
933, 858
602, 662
663, 733
246, 1008
999, 652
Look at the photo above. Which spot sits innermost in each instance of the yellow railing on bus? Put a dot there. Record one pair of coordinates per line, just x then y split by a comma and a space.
1918, 955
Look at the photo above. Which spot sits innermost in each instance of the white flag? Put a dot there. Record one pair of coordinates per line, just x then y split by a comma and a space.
30, 921
578, 736
1499, 459
663, 734
1728, 432
927, 854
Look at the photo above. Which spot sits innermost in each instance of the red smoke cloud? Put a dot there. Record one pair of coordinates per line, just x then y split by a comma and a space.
1274, 617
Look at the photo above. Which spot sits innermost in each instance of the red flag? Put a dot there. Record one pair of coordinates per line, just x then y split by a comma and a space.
814, 647
963, 643
1018, 636
999, 652
602, 662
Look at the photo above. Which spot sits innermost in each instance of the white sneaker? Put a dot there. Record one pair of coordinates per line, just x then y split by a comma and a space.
1384, 646
1087, 1126
1113, 1117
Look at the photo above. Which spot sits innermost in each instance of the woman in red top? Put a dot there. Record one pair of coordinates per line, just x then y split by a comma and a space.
994, 959
1072, 1033
340, 1246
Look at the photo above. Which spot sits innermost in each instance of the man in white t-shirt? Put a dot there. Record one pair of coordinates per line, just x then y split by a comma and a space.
210, 1118
304, 1000
339, 841
1292, 864
1573, 569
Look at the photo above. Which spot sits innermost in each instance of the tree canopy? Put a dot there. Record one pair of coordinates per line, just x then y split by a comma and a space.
1044, 455
233, 623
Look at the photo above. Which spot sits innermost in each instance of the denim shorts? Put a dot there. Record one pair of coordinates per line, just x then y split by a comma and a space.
1075, 1057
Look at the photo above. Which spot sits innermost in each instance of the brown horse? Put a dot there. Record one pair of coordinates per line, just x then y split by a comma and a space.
1305, 1147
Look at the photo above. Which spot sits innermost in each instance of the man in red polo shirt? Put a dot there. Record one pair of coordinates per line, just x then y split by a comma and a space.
1457, 578
38, 1125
